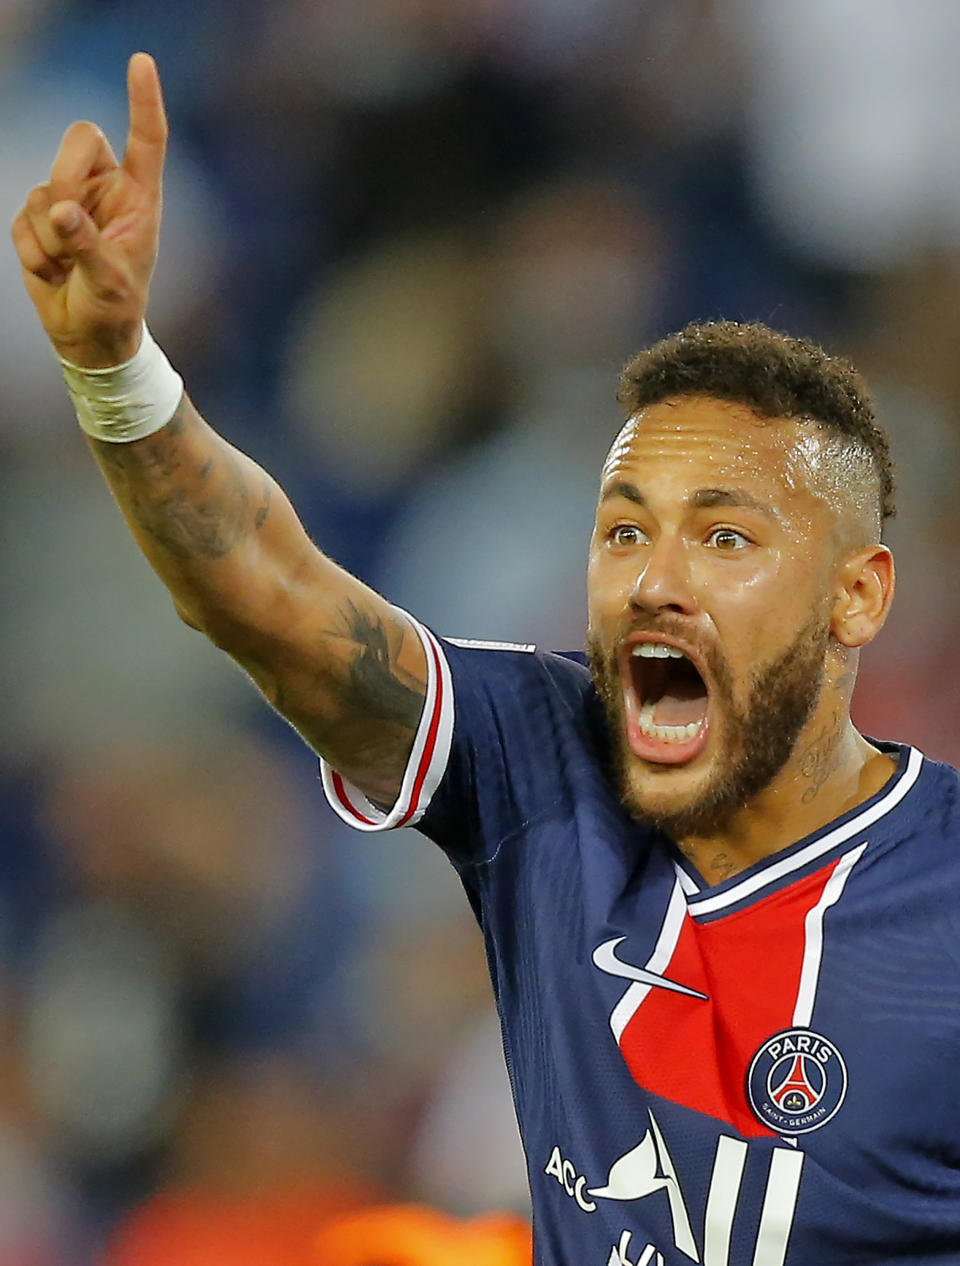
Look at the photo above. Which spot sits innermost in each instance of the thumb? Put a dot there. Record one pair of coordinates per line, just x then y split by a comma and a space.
79, 243
76, 232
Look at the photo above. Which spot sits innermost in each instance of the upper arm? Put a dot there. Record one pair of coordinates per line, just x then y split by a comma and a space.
347, 670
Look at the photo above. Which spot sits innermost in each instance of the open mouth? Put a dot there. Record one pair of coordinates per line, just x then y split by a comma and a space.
667, 702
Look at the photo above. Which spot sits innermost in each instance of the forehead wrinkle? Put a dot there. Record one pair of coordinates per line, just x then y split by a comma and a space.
686, 429
788, 456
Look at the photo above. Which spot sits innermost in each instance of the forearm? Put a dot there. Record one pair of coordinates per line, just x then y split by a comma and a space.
215, 527
326, 651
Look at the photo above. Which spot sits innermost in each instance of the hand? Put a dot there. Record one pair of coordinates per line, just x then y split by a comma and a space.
87, 240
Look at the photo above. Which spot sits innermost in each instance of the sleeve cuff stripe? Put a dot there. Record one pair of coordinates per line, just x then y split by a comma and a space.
428, 757
431, 743
344, 799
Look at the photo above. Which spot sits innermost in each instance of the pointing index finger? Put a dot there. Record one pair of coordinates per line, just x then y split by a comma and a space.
147, 138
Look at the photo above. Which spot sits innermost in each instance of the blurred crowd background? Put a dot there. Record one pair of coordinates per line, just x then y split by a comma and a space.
407, 246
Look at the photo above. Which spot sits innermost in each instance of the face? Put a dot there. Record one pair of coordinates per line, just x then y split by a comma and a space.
710, 603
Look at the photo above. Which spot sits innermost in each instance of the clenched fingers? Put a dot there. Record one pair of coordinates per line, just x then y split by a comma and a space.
32, 255
68, 236
84, 152
37, 212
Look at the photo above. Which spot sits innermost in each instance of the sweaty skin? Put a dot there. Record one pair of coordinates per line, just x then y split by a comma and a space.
730, 536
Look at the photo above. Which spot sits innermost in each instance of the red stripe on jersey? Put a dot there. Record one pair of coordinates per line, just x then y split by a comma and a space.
345, 799
697, 1053
431, 743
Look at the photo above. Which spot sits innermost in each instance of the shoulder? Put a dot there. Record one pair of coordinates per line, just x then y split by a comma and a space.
933, 784
528, 731
924, 794
520, 682
520, 661
938, 794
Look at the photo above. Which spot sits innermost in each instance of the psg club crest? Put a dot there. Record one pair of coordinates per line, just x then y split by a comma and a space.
797, 1081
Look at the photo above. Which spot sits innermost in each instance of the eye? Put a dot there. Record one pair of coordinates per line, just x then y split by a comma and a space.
626, 534
727, 540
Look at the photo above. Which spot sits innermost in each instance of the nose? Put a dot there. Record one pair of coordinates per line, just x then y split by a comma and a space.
664, 584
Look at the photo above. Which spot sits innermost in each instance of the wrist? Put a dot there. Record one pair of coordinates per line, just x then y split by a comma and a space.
116, 349
119, 403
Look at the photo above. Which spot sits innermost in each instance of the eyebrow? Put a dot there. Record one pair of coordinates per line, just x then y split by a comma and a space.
702, 499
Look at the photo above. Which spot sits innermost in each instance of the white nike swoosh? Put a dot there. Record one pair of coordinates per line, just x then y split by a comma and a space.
604, 957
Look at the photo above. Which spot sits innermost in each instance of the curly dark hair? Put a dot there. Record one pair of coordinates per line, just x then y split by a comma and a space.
773, 374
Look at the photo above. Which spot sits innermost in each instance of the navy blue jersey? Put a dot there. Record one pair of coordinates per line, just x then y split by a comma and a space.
758, 1073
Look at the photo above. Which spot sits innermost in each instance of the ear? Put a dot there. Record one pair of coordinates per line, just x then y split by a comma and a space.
864, 591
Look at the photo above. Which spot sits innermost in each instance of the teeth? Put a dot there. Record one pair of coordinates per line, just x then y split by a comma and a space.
666, 733
656, 650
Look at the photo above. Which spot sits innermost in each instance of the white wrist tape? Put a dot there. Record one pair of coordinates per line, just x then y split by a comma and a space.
125, 402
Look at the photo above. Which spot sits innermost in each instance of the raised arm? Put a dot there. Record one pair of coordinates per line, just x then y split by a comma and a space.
334, 657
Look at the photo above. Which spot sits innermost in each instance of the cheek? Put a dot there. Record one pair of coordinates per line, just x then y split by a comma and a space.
758, 613
608, 590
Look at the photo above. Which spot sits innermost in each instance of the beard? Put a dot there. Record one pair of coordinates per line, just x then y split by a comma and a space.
756, 737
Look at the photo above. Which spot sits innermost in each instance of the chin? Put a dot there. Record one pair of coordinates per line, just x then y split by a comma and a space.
677, 799
696, 799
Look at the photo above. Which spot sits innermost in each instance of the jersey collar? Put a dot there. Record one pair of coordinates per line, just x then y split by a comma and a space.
814, 850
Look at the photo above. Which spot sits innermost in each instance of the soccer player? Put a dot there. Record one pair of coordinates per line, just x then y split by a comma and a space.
722, 925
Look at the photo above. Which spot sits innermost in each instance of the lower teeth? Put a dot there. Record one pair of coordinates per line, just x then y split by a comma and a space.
666, 733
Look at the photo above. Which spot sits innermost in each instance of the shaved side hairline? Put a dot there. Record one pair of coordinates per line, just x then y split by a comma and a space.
861, 489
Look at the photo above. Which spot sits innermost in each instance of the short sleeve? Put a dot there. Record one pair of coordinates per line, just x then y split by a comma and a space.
427, 761
503, 725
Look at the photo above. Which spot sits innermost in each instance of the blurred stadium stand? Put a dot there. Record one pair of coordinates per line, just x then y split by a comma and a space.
407, 246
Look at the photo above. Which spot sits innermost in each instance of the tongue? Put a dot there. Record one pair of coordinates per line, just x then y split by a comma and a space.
676, 709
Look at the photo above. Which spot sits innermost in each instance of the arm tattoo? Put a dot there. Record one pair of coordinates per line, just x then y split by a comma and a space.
156, 453
187, 530
374, 685
186, 521
193, 500
377, 703
264, 509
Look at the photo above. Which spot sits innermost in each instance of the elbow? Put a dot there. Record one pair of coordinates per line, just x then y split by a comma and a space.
190, 618
220, 630
254, 652
215, 620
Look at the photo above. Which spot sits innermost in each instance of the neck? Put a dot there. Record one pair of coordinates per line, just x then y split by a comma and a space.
832, 770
